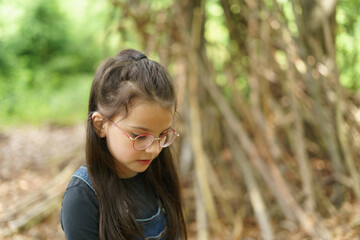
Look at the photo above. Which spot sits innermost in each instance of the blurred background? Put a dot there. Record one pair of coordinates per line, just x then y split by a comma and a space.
268, 109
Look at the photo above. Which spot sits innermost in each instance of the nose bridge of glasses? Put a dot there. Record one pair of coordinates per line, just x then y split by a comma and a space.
151, 146
159, 138
151, 143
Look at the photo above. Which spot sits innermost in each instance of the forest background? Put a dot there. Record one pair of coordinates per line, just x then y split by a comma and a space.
268, 109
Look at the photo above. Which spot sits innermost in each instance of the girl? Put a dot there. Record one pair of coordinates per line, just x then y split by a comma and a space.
129, 187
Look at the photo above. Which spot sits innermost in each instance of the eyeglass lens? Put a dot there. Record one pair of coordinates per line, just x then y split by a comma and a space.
144, 141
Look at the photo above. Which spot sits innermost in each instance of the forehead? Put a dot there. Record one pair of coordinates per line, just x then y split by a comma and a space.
148, 115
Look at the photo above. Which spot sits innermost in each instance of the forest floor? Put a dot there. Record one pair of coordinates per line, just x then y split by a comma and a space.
30, 158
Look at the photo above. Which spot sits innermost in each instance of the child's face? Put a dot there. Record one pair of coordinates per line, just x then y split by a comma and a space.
143, 117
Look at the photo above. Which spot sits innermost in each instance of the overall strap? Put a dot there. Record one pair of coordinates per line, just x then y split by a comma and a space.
82, 174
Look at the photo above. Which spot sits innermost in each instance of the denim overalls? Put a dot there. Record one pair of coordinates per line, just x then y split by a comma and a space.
154, 227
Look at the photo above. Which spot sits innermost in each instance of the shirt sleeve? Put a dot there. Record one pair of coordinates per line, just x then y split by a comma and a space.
80, 213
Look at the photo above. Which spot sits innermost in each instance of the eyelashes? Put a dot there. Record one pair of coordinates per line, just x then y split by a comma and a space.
134, 135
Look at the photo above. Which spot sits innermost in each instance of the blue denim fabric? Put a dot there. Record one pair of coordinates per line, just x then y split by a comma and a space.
83, 175
154, 227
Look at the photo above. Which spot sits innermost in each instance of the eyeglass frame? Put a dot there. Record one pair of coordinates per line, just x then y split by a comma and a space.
147, 134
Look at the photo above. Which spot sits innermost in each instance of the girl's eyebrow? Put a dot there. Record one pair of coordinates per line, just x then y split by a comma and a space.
140, 128
146, 129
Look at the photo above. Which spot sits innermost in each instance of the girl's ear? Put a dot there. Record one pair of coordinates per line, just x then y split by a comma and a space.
99, 124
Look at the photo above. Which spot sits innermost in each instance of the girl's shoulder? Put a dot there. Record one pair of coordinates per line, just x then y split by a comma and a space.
80, 210
82, 174
80, 188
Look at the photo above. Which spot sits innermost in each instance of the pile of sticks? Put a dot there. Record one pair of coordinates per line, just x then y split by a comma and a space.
272, 127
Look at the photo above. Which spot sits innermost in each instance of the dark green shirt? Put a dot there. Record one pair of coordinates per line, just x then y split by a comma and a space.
80, 207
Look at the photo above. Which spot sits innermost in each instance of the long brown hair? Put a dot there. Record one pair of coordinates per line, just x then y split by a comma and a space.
130, 74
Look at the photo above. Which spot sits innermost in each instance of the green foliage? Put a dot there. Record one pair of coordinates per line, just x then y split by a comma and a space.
47, 63
63, 106
216, 34
218, 40
49, 50
347, 43
44, 33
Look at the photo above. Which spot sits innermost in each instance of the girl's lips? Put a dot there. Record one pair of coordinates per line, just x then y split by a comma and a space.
144, 162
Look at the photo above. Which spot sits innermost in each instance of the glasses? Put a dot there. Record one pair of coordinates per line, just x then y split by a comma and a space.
144, 141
